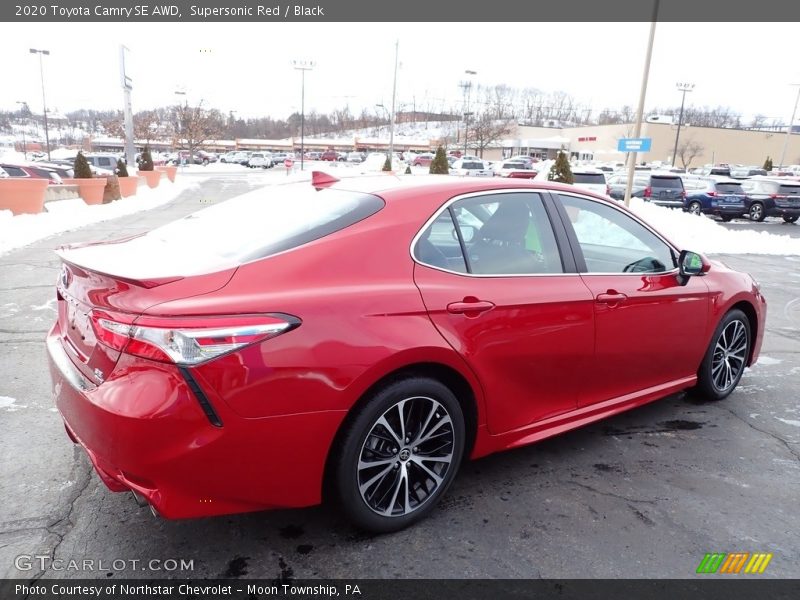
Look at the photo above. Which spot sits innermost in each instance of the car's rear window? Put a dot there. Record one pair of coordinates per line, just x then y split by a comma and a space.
597, 178
667, 182
730, 188
472, 165
789, 190
252, 226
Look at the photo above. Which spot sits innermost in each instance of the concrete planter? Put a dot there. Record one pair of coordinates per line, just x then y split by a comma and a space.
128, 185
22, 195
170, 171
152, 177
91, 190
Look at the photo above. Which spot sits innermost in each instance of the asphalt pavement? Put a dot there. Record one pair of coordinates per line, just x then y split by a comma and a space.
644, 494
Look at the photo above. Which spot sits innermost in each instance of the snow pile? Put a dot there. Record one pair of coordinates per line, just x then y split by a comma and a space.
702, 234
65, 215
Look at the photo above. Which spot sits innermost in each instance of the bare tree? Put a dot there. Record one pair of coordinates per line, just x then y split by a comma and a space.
485, 131
688, 150
146, 125
195, 125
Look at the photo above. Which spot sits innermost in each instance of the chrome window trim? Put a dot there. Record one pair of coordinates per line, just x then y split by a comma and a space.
446, 206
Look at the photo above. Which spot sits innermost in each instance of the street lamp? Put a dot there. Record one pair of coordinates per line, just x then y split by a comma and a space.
24, 144
791, 121
682, 87
44, 102
467, 114
303, 66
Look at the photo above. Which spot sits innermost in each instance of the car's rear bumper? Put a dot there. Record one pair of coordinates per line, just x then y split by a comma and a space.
144, 430
668, 203
783, 211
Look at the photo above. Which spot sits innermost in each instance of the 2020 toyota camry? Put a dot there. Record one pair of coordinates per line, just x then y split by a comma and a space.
356, 339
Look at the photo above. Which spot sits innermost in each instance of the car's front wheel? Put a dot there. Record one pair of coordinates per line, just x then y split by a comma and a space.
726, 357
399, 454
757, 212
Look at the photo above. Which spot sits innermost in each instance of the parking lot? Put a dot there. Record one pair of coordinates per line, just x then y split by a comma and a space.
644, 494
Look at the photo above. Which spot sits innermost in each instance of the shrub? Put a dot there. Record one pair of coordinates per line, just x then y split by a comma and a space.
82, 168
560, 170
408, 170
439, 164
387, 165
146, 164
122, 168
111, 192
768, 164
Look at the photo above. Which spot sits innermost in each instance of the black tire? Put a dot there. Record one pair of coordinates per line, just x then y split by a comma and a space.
726, 218
788, 219
379, 498
722, 368
695, 208
756, 212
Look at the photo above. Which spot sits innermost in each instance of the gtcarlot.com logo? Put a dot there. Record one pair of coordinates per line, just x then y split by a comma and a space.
44, 562
735, 563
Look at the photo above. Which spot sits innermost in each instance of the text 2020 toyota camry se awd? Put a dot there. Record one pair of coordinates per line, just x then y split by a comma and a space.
357, 339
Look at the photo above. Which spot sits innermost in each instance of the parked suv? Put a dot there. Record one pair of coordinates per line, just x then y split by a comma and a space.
715, 196
593, 180
260, 159
102, 161
663, 189
769, 197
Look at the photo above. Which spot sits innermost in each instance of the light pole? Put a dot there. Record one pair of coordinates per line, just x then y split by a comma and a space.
303, 66
682, 87
791, 121
467, 89
44, 102
394, 93
24, 144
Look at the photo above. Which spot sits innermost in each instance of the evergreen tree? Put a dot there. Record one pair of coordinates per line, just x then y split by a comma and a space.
768, 164
122, 168
146, 164
82, 168
408, 170
439, 164
387, 165
560, 170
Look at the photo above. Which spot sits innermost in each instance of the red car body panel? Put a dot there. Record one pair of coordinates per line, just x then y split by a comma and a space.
364, 316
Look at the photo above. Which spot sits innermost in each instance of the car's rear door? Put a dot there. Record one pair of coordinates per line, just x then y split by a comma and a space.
500, 286
649, 329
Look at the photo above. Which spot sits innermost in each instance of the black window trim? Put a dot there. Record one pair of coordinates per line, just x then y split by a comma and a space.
544, 194
576, 247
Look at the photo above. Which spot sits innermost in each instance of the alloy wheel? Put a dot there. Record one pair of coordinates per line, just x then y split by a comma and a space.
729, 355
694, 208
405, 456
756, 212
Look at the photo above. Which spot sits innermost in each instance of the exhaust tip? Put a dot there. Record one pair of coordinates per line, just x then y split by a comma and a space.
141, 501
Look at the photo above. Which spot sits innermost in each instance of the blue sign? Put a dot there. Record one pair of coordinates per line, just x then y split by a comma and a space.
634, 144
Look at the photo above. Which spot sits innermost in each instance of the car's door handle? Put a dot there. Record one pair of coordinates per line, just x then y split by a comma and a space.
611, 297
469, 305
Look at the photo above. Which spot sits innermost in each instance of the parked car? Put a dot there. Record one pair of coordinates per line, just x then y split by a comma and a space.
719, 196
355, 157
745, 172
515, 169
723, 171
329, 155
772, 197
32, 172
241, 157
593, 180
313, 155
422, 160
661, 188
261, 160
260, 395
3, 173
228, 157
469, 167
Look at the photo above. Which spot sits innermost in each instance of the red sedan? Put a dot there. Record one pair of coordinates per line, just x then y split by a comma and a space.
362, 336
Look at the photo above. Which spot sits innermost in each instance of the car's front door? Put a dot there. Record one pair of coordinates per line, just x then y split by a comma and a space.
648, 327
494, 283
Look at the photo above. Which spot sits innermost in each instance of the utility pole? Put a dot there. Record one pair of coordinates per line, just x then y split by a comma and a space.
682, 87
44, 101
640, 109
303, 66
467, 87
394, 93
789, 129
127, 87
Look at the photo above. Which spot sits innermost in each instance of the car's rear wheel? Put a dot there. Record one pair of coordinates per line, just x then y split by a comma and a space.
399, 454
756, 212
695, 208
790, 219
726, 357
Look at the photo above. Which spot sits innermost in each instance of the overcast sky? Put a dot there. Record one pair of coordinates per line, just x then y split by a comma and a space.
246, 67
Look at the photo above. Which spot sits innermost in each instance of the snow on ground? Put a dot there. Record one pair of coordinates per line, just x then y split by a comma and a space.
65, 215
6, 401
702, 234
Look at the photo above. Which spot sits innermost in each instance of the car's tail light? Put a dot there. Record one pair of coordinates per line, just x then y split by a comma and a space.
608, 190
187, 341
648, 191
683, 194
712, 194
778, 196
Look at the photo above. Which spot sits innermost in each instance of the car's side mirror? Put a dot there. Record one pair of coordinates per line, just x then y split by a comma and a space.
690, 264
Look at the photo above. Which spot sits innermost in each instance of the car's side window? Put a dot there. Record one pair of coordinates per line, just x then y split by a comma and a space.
507, 234
438, 246
613, 242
